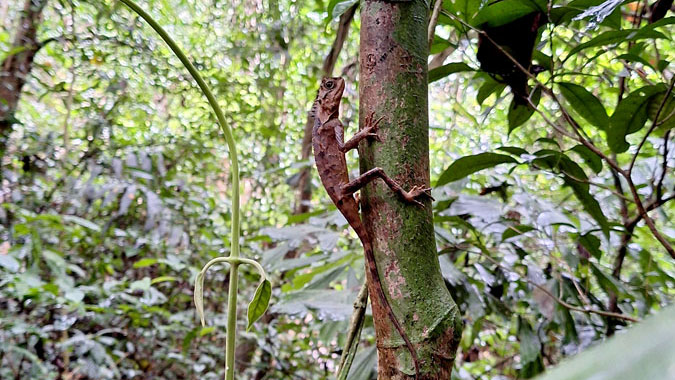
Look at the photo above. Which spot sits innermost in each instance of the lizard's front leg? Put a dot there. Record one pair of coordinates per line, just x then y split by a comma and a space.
370, 130
409, 196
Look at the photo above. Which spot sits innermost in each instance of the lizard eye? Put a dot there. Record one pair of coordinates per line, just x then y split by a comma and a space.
330, 84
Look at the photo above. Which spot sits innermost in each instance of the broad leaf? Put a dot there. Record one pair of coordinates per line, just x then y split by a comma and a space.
520, 113
336, 8
666, 114
512, 231
585, 104
591, 159
471, 164
259, 303
496, 13
616, 36
530, 350
629, 117
447, 69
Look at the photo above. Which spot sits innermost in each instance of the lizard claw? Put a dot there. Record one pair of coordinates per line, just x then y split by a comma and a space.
418, 192
372, 125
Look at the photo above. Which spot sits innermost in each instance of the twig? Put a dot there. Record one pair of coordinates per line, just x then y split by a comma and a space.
433, 21
558, 299
664, 167
654, 125
354, 335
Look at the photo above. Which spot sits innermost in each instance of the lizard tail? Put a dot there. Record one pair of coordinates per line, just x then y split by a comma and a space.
375, 276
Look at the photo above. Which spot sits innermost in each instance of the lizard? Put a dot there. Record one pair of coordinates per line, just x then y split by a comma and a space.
329, 157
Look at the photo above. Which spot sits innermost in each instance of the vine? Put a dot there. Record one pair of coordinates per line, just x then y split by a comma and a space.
260, 301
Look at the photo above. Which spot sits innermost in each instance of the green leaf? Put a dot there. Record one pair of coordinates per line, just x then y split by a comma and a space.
607, 283
512, 231
145, 263
514, 150
585, 104
591, 243
159, 279
336, 8
591, 159
629, 117
616, 36
530, 350
82, 222
259, 303
635, 58
439, 45
447, 69
667, 114
488, 88
496, 13
520, 113
471, 164
590, 204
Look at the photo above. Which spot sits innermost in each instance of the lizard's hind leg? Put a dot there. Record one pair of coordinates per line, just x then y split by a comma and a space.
409, 196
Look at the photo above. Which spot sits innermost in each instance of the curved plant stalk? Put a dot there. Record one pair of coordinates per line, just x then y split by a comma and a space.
354, 335
261, 299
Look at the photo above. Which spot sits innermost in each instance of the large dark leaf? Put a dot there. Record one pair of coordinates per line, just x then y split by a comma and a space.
520, 113
629, 117
259, 303
617, 36
530, 350
471, 164
502, 12
585, 104
447, 69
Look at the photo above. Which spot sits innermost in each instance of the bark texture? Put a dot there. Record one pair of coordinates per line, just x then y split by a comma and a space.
16, 67
393, 85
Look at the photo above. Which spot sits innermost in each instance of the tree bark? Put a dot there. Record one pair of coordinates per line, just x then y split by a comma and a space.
15, 68
393, 86
304, 183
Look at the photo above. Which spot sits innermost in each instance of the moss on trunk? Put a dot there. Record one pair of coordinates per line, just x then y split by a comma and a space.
393, 85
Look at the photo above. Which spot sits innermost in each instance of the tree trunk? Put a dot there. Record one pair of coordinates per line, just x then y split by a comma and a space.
15, 68
393, 86
304, 183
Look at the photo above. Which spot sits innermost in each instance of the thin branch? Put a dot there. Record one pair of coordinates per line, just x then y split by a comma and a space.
558, 299
433, 21
654, 125
664, 166
354, 334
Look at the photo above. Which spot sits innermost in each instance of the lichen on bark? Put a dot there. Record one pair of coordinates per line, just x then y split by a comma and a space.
393, 85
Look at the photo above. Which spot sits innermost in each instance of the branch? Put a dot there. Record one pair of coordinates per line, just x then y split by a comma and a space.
434, 20
654, 125
664, 166
355, 327
557, 299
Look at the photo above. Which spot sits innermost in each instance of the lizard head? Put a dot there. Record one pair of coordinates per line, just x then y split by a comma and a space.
328, 99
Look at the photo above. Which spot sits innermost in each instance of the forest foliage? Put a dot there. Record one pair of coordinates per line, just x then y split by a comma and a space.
552, 213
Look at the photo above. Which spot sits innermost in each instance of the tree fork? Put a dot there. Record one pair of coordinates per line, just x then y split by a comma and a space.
393, 85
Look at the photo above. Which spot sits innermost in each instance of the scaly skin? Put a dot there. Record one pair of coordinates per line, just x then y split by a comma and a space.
329, 156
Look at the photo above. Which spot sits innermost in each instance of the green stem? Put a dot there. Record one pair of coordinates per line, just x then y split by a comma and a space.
234, 162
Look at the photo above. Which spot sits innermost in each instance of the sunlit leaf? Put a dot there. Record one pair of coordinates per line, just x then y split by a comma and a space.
585, 104
259, 303
470, 164
447, 69
520, 113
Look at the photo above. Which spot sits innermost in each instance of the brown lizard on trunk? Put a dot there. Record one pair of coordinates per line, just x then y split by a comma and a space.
329, 156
